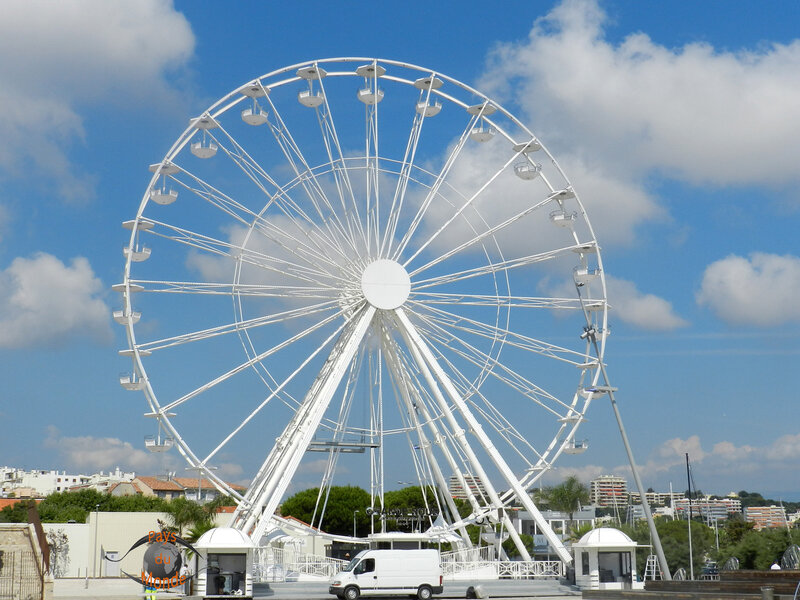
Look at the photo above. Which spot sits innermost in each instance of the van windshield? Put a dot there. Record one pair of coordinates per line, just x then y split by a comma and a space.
350, 565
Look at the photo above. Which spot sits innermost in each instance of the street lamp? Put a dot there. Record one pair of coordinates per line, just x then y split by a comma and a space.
354, 521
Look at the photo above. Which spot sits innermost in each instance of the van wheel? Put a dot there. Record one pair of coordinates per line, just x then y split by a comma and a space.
424, 592
351, 593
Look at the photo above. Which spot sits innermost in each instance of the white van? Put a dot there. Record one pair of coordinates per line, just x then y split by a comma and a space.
390, 573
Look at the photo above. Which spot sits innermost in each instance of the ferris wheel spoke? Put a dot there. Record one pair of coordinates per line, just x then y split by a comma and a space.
440, 179
307, 178
523, 342
372, 171
231, 289
255, 359
507, 375
405, 174
341, 174
504, 265
461, 210
308, 272
256, 173
245, 216
500, 300
278, 389
238, 326
491, 414
480, 237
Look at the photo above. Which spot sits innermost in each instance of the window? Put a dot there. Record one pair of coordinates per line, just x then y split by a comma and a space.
365, 566
585, 563
225, 574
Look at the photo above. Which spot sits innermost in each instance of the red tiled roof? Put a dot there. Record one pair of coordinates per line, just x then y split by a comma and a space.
136, 488
12, 501
190, 483
160, 484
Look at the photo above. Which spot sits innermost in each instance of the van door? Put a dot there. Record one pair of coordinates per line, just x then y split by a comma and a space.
365, 575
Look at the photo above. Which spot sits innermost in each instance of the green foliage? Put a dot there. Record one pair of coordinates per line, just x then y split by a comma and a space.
734, 529
16, 513
343, 501
674, 537
576, 533
183, 512
567, 496
757, 549
511, 548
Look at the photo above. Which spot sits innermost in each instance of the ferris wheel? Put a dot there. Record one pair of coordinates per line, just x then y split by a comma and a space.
375, 262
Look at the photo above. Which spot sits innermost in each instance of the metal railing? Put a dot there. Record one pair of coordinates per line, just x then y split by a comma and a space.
20, 576
285, 564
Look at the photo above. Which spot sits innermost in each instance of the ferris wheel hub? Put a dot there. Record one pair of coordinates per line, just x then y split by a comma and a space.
385, 284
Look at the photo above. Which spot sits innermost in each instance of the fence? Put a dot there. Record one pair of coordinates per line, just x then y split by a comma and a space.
482, 560
20, 578
285, 564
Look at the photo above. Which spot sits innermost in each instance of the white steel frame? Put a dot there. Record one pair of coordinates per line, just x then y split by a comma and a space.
432, 328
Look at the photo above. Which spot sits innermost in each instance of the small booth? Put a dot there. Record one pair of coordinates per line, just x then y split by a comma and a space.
224, 567
605, 559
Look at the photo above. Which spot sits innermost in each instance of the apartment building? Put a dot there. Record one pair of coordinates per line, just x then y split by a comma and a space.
609, 491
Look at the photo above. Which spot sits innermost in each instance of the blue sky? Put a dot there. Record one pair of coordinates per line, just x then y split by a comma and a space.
678, 124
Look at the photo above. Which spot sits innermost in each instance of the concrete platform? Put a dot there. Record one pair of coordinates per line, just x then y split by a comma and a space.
125, 589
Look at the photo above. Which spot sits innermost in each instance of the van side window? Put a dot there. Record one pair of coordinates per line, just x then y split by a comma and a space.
365, 566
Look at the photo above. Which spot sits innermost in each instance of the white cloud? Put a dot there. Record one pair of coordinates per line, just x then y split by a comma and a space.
74, 52
725, 458
89, 453
44, 301
628, 304
646, 311
759, 290
695, 113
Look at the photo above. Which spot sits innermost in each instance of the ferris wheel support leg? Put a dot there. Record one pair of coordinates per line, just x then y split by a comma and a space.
416, 341
458, 433
662, 559
427, 445
294, 440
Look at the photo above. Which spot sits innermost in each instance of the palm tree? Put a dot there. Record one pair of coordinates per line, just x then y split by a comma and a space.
567, 496
183, 512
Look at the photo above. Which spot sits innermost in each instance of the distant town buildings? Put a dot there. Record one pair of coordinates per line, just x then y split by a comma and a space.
40, 483
764, 517
191, 488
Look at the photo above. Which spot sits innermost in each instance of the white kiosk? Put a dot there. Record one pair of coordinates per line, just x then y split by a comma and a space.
605, 559
223, 570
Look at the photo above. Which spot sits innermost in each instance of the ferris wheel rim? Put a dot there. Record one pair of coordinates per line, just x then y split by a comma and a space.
225, 104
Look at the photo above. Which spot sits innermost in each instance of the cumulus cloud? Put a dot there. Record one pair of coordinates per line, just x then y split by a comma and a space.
761, 289
44, 301
645, 311
89, 453
70, 53
725, 458
694, 113
629, 305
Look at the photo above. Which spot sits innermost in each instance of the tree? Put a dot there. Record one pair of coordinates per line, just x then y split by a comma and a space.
567, 496
758, 549
183, 512
343, 502
15, 513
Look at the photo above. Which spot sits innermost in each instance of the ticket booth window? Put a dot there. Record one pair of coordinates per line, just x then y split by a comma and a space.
225, 574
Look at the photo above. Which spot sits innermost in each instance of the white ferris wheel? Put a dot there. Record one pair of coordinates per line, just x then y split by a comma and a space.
371, 260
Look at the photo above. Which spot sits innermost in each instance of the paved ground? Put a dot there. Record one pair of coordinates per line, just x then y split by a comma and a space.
123, 589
